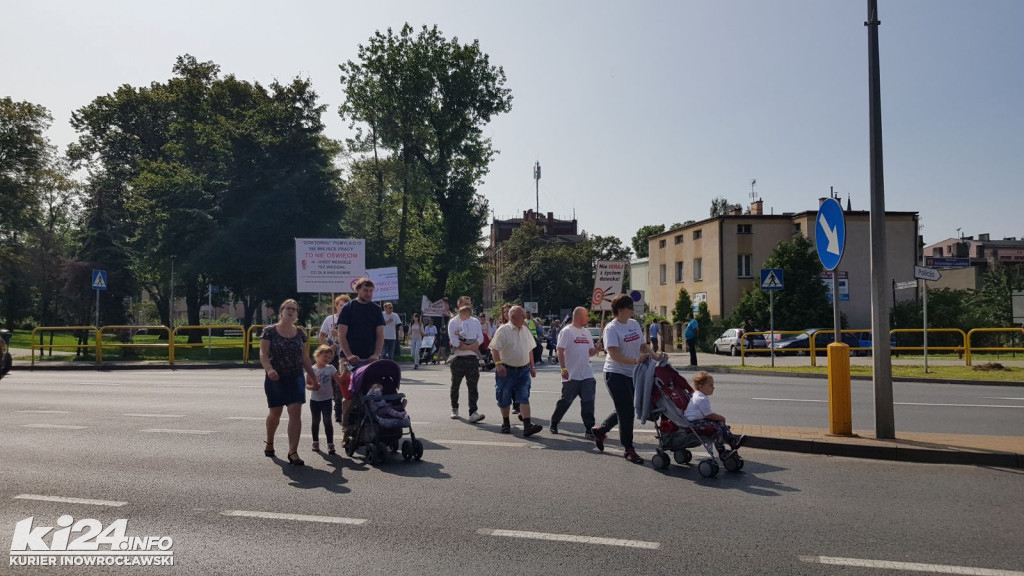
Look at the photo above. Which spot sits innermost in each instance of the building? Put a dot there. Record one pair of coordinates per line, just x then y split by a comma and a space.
982, 253
718, 259
554, 230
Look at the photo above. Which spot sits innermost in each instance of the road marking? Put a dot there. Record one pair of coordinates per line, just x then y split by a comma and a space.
787, 400
250, 418
155, 415
57, 426
179, 386
173, 431
251, 386
897, 403
913, 566
298, 517
44, 411
65, 500
420, 423
998, 398
482, 443
570, 538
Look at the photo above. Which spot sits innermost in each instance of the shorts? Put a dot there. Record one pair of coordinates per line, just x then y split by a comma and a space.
514, 387
286, 391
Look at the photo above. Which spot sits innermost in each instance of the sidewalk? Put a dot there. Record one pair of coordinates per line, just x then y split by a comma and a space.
1000, 451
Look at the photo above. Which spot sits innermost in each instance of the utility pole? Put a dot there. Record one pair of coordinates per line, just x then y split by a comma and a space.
885, 426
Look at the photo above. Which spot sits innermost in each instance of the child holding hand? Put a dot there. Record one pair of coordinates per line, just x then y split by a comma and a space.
321, 397
706, 421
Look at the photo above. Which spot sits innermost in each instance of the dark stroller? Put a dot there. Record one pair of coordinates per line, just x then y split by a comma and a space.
378, 436
669, 398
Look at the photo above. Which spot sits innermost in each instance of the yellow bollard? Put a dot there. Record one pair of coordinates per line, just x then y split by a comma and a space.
840, 419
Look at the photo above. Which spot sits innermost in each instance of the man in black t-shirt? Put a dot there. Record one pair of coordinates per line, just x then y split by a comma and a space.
361, 326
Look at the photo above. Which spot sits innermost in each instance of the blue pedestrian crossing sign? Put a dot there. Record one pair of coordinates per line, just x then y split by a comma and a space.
771, 279
99, 279
830, 233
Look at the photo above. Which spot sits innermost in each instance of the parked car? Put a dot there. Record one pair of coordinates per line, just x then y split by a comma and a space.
5, 353
822, 338
732, 340
864, 340
595, 333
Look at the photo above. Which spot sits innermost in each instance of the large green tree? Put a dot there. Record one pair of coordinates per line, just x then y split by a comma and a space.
639, 240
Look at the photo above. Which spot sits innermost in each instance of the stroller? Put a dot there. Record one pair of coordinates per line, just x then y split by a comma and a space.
427, 350
486, 358
669, 398
380, 436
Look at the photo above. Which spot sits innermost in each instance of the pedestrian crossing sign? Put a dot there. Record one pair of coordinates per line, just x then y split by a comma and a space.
771, 279
99, 279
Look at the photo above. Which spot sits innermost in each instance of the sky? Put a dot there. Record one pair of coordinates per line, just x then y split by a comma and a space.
638, 112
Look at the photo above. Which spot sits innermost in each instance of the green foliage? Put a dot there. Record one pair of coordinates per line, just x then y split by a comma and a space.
708, 330
719, 207
639, 240
683, 307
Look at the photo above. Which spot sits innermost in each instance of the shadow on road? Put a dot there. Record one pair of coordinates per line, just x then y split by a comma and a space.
309, 477
746, 480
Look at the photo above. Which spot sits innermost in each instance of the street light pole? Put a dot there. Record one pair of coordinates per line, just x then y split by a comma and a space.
170, 304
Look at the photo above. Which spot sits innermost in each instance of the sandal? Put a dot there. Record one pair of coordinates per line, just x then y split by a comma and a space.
294, 460
268, 451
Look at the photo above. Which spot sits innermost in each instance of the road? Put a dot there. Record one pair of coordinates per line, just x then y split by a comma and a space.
179, 454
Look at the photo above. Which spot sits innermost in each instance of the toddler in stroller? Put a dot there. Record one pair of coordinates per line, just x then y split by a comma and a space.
378, 420
670, 404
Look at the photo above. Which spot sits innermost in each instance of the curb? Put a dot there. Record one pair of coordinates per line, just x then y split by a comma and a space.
891, 453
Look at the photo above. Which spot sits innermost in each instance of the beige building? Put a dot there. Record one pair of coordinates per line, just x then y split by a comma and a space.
719, 259
982, 253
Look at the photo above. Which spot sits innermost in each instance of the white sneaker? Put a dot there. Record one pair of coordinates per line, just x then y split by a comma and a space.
475, 417
455, 415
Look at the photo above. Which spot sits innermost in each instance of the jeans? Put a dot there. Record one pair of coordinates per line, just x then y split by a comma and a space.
620, 387
414, 345
514, 387
389, 349
692, 345
586, 390
321, 409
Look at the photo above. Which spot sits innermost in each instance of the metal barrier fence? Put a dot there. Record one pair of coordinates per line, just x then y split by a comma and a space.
130, 344
89, 331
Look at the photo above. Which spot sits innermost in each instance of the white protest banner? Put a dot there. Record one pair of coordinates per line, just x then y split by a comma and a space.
608, 278
328, 264
436, 309
385, 283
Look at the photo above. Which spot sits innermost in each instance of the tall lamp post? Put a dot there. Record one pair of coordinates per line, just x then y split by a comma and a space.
170, 304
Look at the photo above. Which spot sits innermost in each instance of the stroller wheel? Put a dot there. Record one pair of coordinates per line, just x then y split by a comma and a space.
708, 468
417, 449
371, 454
660, 461
407, 450
382, 452
733, 463
682, 456
350, 447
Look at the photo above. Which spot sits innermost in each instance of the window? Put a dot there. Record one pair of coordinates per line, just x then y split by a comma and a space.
696, 234
796, 228
661, 243
679, 238
744, 229
664, 311
698, 272
661, 274
743, 265
679, 272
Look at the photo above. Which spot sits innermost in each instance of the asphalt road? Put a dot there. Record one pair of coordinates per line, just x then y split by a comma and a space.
179, 454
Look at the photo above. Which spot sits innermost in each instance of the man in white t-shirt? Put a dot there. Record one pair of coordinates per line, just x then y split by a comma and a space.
575, 347
391, 323
465, 334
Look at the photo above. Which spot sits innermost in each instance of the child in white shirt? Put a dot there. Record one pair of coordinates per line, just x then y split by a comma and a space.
321, 397
705, 421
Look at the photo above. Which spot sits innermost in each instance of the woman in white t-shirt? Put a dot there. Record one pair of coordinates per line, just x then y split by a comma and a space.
626, 347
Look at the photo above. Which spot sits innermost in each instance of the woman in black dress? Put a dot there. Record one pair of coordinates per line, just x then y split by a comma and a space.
285, 356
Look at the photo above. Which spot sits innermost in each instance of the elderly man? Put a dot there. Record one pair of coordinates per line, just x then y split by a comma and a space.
575, 347
466, 335
512, 348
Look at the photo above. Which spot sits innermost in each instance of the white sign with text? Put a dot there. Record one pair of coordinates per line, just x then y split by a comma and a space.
328, 265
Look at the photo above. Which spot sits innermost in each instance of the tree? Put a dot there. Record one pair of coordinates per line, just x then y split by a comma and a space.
719, 207
427, 98
684, 306
639, 240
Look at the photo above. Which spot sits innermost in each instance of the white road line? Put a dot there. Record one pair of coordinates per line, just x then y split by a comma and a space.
155, 415
298, 517
912, 566
897, 403
44, 411
999, 398
482, 443
250, 418
251, 386
173, 431
66, 500
56, 426
180, 386
787, 400
570, 538
420, 423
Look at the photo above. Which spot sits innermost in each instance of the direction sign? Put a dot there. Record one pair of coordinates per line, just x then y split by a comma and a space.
771, 279
906, 285
948, 262
925, 273
99, 279
830, 233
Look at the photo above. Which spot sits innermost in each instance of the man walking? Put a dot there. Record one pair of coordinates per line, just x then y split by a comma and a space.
466, 335
391, 323
360, 335
690, 335
512, 348
654, 331
575, 347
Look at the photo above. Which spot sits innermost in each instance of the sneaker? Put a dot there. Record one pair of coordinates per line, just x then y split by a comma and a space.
553, 429
631, 455
475, 417
598, 437
316, 446
455, 415
589, 434
331, 450
506, 428
515, 410
531, 430
738, 441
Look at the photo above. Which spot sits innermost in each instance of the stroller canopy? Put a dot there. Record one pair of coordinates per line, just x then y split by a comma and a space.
387, 373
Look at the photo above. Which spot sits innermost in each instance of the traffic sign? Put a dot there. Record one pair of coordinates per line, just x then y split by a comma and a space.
99, 279
830, 233
771, 279
638, 300
925, 273
948, 262
906, 285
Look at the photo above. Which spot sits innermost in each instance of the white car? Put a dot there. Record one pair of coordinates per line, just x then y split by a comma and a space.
732, 339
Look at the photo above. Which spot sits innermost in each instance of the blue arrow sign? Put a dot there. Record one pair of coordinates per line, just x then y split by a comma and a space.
99, 280
771, 279
830, 233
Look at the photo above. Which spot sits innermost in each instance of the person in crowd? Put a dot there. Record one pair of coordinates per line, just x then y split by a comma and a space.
624, 341
392, 323
416, 335
705, 420
328, 335
443, 348
485, 325
512, 348
654, 331
690, 335
465, 334
360, 334
552, 343
284, 357
321, 397
575, 347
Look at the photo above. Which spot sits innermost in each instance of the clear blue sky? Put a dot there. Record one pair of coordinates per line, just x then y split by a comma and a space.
639, 112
